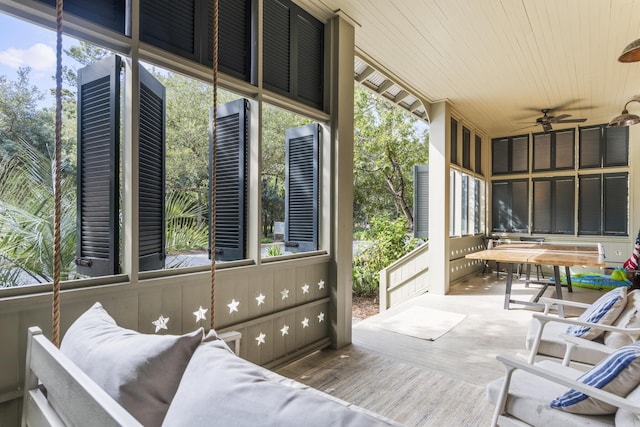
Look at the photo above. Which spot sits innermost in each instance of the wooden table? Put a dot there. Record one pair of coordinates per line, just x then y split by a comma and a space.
556, 255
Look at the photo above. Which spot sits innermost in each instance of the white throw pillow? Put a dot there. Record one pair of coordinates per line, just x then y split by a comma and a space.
140, 371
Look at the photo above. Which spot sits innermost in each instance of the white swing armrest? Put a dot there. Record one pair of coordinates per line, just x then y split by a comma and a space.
232, 338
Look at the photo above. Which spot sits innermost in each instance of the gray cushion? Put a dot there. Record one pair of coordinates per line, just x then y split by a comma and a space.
529, 398
629, 318
552, 344
140, 371
219, 388
628, 418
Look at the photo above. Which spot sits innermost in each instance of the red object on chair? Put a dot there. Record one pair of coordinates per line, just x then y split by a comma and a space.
632, 262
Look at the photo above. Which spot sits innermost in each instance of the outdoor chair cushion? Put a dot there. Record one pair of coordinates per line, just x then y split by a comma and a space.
554, 345
530, 396
629, 318
619, 374
140, 371
604, 310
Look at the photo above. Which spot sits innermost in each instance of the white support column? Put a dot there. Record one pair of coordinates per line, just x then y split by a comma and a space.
130, 164
439, 154
340, 177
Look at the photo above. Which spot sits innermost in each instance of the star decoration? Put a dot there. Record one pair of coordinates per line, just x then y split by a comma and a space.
285, 330
161, 323
305, 289
305, 322
233, 306
260, 338
321, 284
260, 298
200, 314
321, 317
285, 293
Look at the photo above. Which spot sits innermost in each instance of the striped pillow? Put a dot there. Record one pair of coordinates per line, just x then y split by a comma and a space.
619, 374
605, 311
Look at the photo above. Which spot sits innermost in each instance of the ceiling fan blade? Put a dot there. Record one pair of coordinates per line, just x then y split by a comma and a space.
557, 119
570, 121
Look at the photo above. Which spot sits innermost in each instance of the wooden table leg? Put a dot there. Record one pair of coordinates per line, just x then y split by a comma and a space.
568, 273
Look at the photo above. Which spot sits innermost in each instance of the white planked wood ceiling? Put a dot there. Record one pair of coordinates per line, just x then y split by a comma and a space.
500, 61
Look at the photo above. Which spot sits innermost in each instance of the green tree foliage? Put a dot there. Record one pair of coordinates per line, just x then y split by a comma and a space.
388, 143
384, 242
26, 217
21, 116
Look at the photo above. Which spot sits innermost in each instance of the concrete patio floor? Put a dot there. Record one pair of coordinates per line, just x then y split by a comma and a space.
462, 359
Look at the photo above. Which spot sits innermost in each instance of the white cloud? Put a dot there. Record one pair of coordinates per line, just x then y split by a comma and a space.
39, 57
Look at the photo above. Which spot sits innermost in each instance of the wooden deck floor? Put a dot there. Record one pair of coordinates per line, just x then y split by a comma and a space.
429, 383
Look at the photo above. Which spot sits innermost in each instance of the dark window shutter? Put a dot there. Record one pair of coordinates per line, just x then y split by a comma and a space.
171, 25
520, 205
478, 155
276, 45
520, 154
476, 218
466, 148
109, 13
542, 206
454, 141
231, 179
615, 198
500, 206
309, 46
234, 35
616, 146
541, 151
421, 201
97, 251
499, 156
564, 150
302, 187
590, 155
563, 205
589, 204
151, 174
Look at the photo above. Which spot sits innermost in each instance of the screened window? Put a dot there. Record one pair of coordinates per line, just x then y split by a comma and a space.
553, 205
466, 148
454, 141
553, 150
478, 155
602, 204
510, 206
510, 155
602, 146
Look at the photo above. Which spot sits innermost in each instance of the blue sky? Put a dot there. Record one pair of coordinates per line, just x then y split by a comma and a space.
26, 44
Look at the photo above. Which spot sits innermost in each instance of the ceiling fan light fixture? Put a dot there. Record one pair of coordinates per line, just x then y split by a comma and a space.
625, 118
631, 53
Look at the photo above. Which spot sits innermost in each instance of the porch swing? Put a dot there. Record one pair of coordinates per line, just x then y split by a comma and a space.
114, 376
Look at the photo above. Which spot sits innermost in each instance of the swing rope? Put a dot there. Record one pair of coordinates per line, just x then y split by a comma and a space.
57, 174
214, 162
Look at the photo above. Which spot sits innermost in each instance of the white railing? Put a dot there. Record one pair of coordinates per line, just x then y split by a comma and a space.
409, 276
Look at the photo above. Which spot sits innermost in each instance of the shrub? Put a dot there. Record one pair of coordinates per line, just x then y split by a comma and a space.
274, 250
385, 242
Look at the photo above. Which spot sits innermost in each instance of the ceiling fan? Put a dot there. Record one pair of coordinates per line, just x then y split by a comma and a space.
547, 120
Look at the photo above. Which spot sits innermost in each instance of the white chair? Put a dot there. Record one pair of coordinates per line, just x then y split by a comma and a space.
547, 333
523, 396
